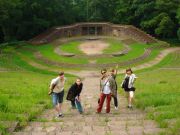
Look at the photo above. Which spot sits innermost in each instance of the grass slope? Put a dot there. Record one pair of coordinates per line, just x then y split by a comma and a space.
23, 89
158, 93
71, 47
48, 52
137, 50
114, 46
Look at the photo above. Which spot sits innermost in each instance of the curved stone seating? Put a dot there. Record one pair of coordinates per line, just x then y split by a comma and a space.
90, 65
94, 65
125, 51
58, 51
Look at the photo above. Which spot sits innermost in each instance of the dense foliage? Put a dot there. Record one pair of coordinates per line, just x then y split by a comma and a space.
23, 19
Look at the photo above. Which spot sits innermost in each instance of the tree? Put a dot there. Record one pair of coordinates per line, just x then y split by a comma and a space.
162, 20
123, 12
178, 17
165, 28
10, 18
23, 19
102, 10
1, 35
160, 25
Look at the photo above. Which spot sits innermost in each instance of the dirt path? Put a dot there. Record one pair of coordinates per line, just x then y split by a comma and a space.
151, 63
118, 122
160, 57
93, 47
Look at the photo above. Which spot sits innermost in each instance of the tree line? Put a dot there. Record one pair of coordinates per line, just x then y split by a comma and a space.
23, 19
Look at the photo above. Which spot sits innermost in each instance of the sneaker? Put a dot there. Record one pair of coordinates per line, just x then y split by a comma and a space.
60, 115
130, 107
116, 108
56, 117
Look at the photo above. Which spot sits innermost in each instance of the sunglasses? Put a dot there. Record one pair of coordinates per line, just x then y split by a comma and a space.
103, 72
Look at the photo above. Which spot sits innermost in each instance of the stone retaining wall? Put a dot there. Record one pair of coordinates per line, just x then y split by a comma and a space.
93, 29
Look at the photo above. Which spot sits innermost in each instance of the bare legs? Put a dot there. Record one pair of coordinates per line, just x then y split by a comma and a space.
58, 108
130, 98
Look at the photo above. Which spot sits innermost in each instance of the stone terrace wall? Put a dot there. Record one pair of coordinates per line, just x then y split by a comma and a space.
93, 29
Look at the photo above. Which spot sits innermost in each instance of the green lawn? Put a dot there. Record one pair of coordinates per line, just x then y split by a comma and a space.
114, 46
28, 55
48, 52
158, 93
158, 88
152, 56
23, 89
137, 50
10, 60
71, 47
23, 95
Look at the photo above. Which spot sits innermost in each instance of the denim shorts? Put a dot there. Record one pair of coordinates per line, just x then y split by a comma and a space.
57, 98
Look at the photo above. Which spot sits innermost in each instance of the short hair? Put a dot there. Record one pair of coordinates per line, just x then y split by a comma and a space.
112, 70
103, 71
61, 73
79, 79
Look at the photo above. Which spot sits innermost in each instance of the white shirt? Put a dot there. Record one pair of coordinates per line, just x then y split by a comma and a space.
59, 84
106, 89
132, 79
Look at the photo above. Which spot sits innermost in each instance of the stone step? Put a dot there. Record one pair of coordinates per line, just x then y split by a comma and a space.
11, 125
118, 122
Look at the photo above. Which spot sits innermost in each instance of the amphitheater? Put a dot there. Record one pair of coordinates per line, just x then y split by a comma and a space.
81, 50
92, 36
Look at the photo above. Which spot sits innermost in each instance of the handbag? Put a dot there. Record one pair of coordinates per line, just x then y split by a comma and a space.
98, 100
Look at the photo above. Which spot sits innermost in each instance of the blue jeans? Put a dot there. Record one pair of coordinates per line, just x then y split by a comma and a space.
57, 98
77, 104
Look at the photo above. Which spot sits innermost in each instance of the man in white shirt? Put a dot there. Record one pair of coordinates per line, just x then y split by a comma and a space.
57, 92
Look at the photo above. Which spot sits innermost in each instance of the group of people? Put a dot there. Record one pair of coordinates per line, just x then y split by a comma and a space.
108, 90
